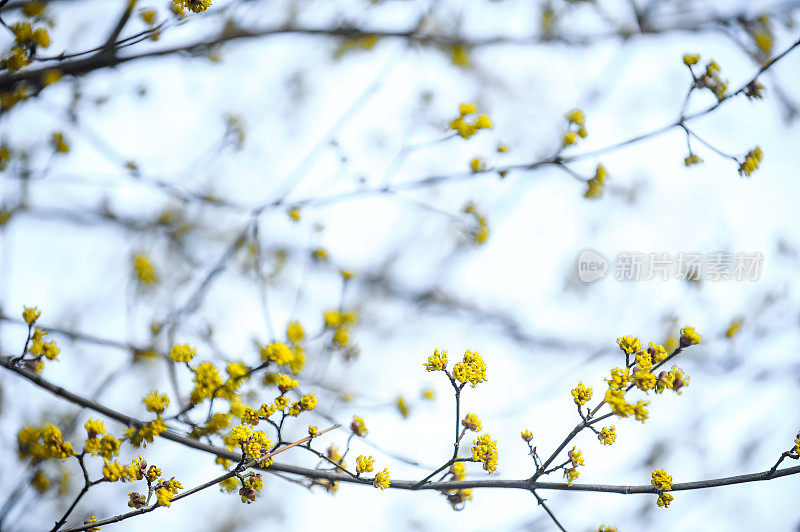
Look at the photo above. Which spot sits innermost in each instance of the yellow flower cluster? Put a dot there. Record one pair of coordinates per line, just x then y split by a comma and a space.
471, 369
751, 161
256, 446
145, 434
382, 479
340, 322
689, 337
526, 435
358, 427
456, 498
711, 81
364, 464
472, 422
195, 6
596, 184
286, 383
437, 361
166, 491
481, 231
466, 124
608, 435
30, 315
107, 446
156, 403
207, 380
576, 127
252, 484
182, 353
402, 406
484, 450
629, 344
692, 159
662, 481
144, 269
581, 394
43, 443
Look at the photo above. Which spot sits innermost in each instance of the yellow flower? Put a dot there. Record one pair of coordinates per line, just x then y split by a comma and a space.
616, 400
629, 344
639, 411
472, 422
571, 474
195, 6
428, 394
156, 403
661, 480
94, 428
575, 456
145, 271
458, 471
30, 315
471, 369
278, 353
402, 406
40, 481
526, 435
484, 450
477, 165
689, 337
382, 479
312, 430
286, 383
207, 381
437, 361
358, 427
148, 16
32, 9
607, 436
364, 464
690, 59
294, 214
182, 353
295, 332
581, 394
733, 329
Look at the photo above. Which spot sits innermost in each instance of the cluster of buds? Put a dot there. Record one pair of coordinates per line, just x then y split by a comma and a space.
753, 90
136, 500
253, 483
711, 81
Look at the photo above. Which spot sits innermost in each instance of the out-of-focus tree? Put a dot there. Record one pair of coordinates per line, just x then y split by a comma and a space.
236, 240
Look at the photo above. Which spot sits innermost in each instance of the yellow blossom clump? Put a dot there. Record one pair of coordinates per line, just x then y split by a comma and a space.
182, 353
312, 430
712, 81
382, 479
480, 231
526, 435
616, 400
195, 6
207, 380
277, 352
639, 410
644, 380
608, 435
144, 269
466, 124
92, 519
484, 450
43, 443
365, 42
629, 344
30, 315
295, 332
250, 416
402, 406
575, 457
690, 59
364, 464
581, 394
571, 474
148, 16
689, 337
294, 214
477, 165
619, 378
146, 433
604, 528
471, 369
40, 481
251, 485
256, 446
167, 491
471, 422
658, 353
733, 329
674, 380
156, 403
596, 184
428, 394
662, 481
358, 427
576, 127
692, 159
458, 471
437, 361
751, 161
286, 383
